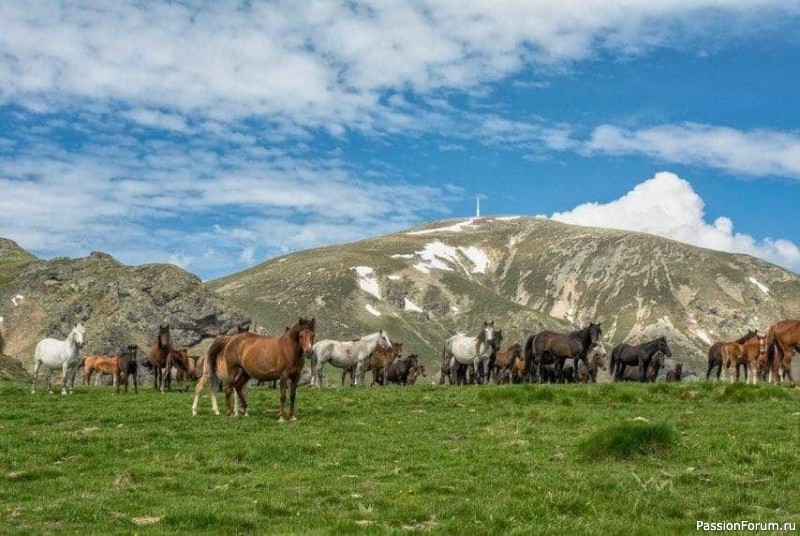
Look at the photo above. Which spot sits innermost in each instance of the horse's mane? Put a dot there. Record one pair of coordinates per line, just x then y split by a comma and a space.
749, 335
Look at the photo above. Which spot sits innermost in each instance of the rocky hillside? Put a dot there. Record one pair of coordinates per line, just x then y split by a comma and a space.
118, 304
427, 283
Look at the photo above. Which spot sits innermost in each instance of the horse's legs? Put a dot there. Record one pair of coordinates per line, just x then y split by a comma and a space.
283, 399
36, 366
292, 396
72, 378
228, 388
240, 401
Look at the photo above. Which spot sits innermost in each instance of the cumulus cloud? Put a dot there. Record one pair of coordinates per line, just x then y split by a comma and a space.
668, 206
748, 152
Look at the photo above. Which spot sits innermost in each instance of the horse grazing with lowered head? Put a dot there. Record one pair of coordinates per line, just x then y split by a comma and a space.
550, 347
463, 350
781, 342
639, 355
346, 354
250, 355
53, 353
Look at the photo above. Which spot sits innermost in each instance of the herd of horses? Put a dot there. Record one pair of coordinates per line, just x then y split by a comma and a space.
234, 359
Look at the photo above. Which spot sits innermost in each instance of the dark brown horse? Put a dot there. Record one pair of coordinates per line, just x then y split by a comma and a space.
127, 367
632, 373
675, 374
639, 355
549, 347
159, 353
781, 342
401, 371
249, 355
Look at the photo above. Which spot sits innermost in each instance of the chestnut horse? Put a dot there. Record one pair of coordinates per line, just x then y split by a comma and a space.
781, 342
380, 360
745, 352
503, 361
249, 355
159, 352
675, 374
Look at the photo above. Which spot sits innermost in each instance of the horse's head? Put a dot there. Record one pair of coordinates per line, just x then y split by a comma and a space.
497, 340
243, 327
487, 332
679, 369
383, 340
397, 349
133, 350
595, 333
79, 335
516, 351
663, 347
305, 333
164, 341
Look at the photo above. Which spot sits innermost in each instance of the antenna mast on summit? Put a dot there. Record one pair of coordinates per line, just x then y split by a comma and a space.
477, 206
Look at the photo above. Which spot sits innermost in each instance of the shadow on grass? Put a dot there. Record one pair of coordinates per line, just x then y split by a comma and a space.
626, 440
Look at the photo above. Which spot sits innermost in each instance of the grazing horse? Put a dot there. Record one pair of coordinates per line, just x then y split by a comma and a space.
346, 354
781, 342
641, 354
715, 359
249, 355
416, 372
53, 353
503, 361
380, 360
675, 374
178, 358
158, 356
127, 367
548, 347
475, 351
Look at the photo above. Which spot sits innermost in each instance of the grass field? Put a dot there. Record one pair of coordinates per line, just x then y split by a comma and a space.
526, 459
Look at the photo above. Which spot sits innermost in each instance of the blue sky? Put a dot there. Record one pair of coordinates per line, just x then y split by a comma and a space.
219, 135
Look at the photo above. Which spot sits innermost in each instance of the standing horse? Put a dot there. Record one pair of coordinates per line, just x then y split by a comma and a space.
159, 353
379, 362
781, 342
639, 355
550, 347
346, 354
128, 367
503, 361
463, 350
675, 374
53, 353
249, 355
744, 352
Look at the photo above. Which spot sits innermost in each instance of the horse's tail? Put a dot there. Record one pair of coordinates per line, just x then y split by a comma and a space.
214, 350
613, 360
529, 355
769, 350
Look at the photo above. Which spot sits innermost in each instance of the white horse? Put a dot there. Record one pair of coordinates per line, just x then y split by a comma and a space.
465, 350
53, 353
347, 354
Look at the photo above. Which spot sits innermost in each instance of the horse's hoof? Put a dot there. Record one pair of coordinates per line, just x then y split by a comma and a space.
293, 418
281, 419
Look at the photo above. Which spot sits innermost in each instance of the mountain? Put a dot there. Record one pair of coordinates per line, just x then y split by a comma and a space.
118, 304
526, 274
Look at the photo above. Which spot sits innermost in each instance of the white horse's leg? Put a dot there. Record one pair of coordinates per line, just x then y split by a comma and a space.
476, 364
358, 380
36, 366
318, 371
72, 378
64, 378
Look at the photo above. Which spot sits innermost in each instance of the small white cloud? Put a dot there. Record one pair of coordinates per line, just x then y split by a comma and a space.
668, 206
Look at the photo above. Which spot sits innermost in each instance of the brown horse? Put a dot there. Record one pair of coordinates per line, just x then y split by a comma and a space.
781, 342
748, 355
248, 355
639, 355
159, 352
416, 372
675, 374
549, 347
729, 355
715, 359
380, 360
503, 361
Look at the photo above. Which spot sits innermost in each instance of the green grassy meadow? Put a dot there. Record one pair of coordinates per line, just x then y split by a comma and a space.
603, 459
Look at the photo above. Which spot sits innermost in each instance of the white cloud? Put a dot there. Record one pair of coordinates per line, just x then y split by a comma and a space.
668, 206
749, 152
322, 64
